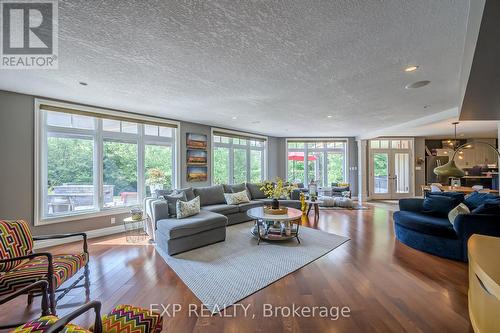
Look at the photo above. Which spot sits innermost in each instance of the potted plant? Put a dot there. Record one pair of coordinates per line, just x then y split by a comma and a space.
155, 179
276, 190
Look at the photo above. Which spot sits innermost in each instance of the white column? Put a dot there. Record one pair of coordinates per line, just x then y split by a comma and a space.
362, 171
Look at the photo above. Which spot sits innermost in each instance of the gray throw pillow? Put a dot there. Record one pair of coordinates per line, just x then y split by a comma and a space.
162, 193
188, 191
255, 191
210, 195
172, 199
235, 188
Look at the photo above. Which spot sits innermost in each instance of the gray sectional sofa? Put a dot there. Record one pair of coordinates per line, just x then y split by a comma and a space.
174, 235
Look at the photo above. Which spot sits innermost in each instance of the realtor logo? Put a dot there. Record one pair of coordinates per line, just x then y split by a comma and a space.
29, 34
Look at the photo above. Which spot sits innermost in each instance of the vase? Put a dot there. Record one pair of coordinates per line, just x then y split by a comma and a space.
154, 187
275, 204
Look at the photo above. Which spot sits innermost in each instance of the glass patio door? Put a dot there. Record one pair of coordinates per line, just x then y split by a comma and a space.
401, 174
390, 174
380, 174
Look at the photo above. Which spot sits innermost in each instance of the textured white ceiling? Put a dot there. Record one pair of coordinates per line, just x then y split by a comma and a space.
287, 64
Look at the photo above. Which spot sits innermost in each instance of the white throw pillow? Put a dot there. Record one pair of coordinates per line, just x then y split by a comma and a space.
236, 198
460, 209
187, 208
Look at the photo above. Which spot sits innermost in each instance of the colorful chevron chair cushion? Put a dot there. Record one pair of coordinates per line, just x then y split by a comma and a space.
15, 241
42, 324
65, 266
132, 319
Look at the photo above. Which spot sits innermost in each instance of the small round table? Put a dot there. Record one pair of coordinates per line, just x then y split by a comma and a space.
275, 227
316, 204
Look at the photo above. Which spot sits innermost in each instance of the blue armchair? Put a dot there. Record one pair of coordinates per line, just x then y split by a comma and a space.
436, 235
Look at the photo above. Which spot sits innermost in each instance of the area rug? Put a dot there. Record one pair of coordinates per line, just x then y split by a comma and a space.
224, 273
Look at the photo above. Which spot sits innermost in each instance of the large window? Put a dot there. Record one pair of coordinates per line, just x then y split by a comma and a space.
237, 159
89, 162
322, 161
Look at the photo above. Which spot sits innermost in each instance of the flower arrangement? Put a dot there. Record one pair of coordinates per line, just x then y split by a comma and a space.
277, 189
155, 176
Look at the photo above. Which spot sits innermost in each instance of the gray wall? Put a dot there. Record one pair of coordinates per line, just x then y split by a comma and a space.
352, 148
198, 129
419, 174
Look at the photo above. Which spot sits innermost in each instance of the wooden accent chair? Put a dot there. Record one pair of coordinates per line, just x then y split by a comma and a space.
20, 266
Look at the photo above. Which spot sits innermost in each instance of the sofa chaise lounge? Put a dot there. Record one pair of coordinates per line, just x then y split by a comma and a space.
174, 235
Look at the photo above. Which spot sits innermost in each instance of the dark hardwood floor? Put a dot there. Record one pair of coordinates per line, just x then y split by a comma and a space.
388, 286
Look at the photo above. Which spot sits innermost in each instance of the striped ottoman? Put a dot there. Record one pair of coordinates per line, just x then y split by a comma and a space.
131, 319
122, 319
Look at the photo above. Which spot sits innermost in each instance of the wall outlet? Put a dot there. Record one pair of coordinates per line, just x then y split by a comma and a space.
113, 220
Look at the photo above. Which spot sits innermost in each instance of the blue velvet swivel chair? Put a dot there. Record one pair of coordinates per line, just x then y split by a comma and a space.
435, 234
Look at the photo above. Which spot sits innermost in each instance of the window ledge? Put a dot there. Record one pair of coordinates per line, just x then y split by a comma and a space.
82, 216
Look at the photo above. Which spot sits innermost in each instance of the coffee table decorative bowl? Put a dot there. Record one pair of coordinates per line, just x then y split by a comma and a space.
275, 227
272, 211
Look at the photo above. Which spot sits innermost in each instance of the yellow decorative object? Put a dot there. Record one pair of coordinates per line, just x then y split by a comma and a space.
303, 204
484, 283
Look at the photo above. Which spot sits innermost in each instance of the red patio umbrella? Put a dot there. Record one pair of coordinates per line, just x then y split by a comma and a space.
299, 156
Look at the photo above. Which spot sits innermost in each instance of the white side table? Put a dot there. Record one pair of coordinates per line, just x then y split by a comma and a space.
135, 230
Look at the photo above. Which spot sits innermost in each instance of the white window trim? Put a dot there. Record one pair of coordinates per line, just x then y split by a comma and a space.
99, 135
306, 150
265, 149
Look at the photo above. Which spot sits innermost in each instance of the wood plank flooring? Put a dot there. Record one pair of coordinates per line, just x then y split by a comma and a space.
388, 286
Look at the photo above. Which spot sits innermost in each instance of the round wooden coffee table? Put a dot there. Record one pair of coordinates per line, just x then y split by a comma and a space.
275, 227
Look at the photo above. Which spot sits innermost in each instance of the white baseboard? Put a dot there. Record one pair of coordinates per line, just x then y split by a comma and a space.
90, 234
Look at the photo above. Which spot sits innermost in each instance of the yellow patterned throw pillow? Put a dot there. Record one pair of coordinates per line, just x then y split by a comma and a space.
236, 198
460, 209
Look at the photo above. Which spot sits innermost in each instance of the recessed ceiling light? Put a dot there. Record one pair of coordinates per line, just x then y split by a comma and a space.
418, 84
83, 83
411, 68
234, 118
329, 116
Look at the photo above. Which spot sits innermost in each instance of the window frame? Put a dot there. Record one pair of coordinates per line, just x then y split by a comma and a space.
41, 130
325, 150
231, 146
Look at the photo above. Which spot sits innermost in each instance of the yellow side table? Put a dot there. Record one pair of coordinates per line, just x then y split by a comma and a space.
484, 283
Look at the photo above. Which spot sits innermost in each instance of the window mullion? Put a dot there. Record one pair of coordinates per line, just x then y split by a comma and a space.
231, 165
98, 166
141, 174
248, 166
306, 165
325, 168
